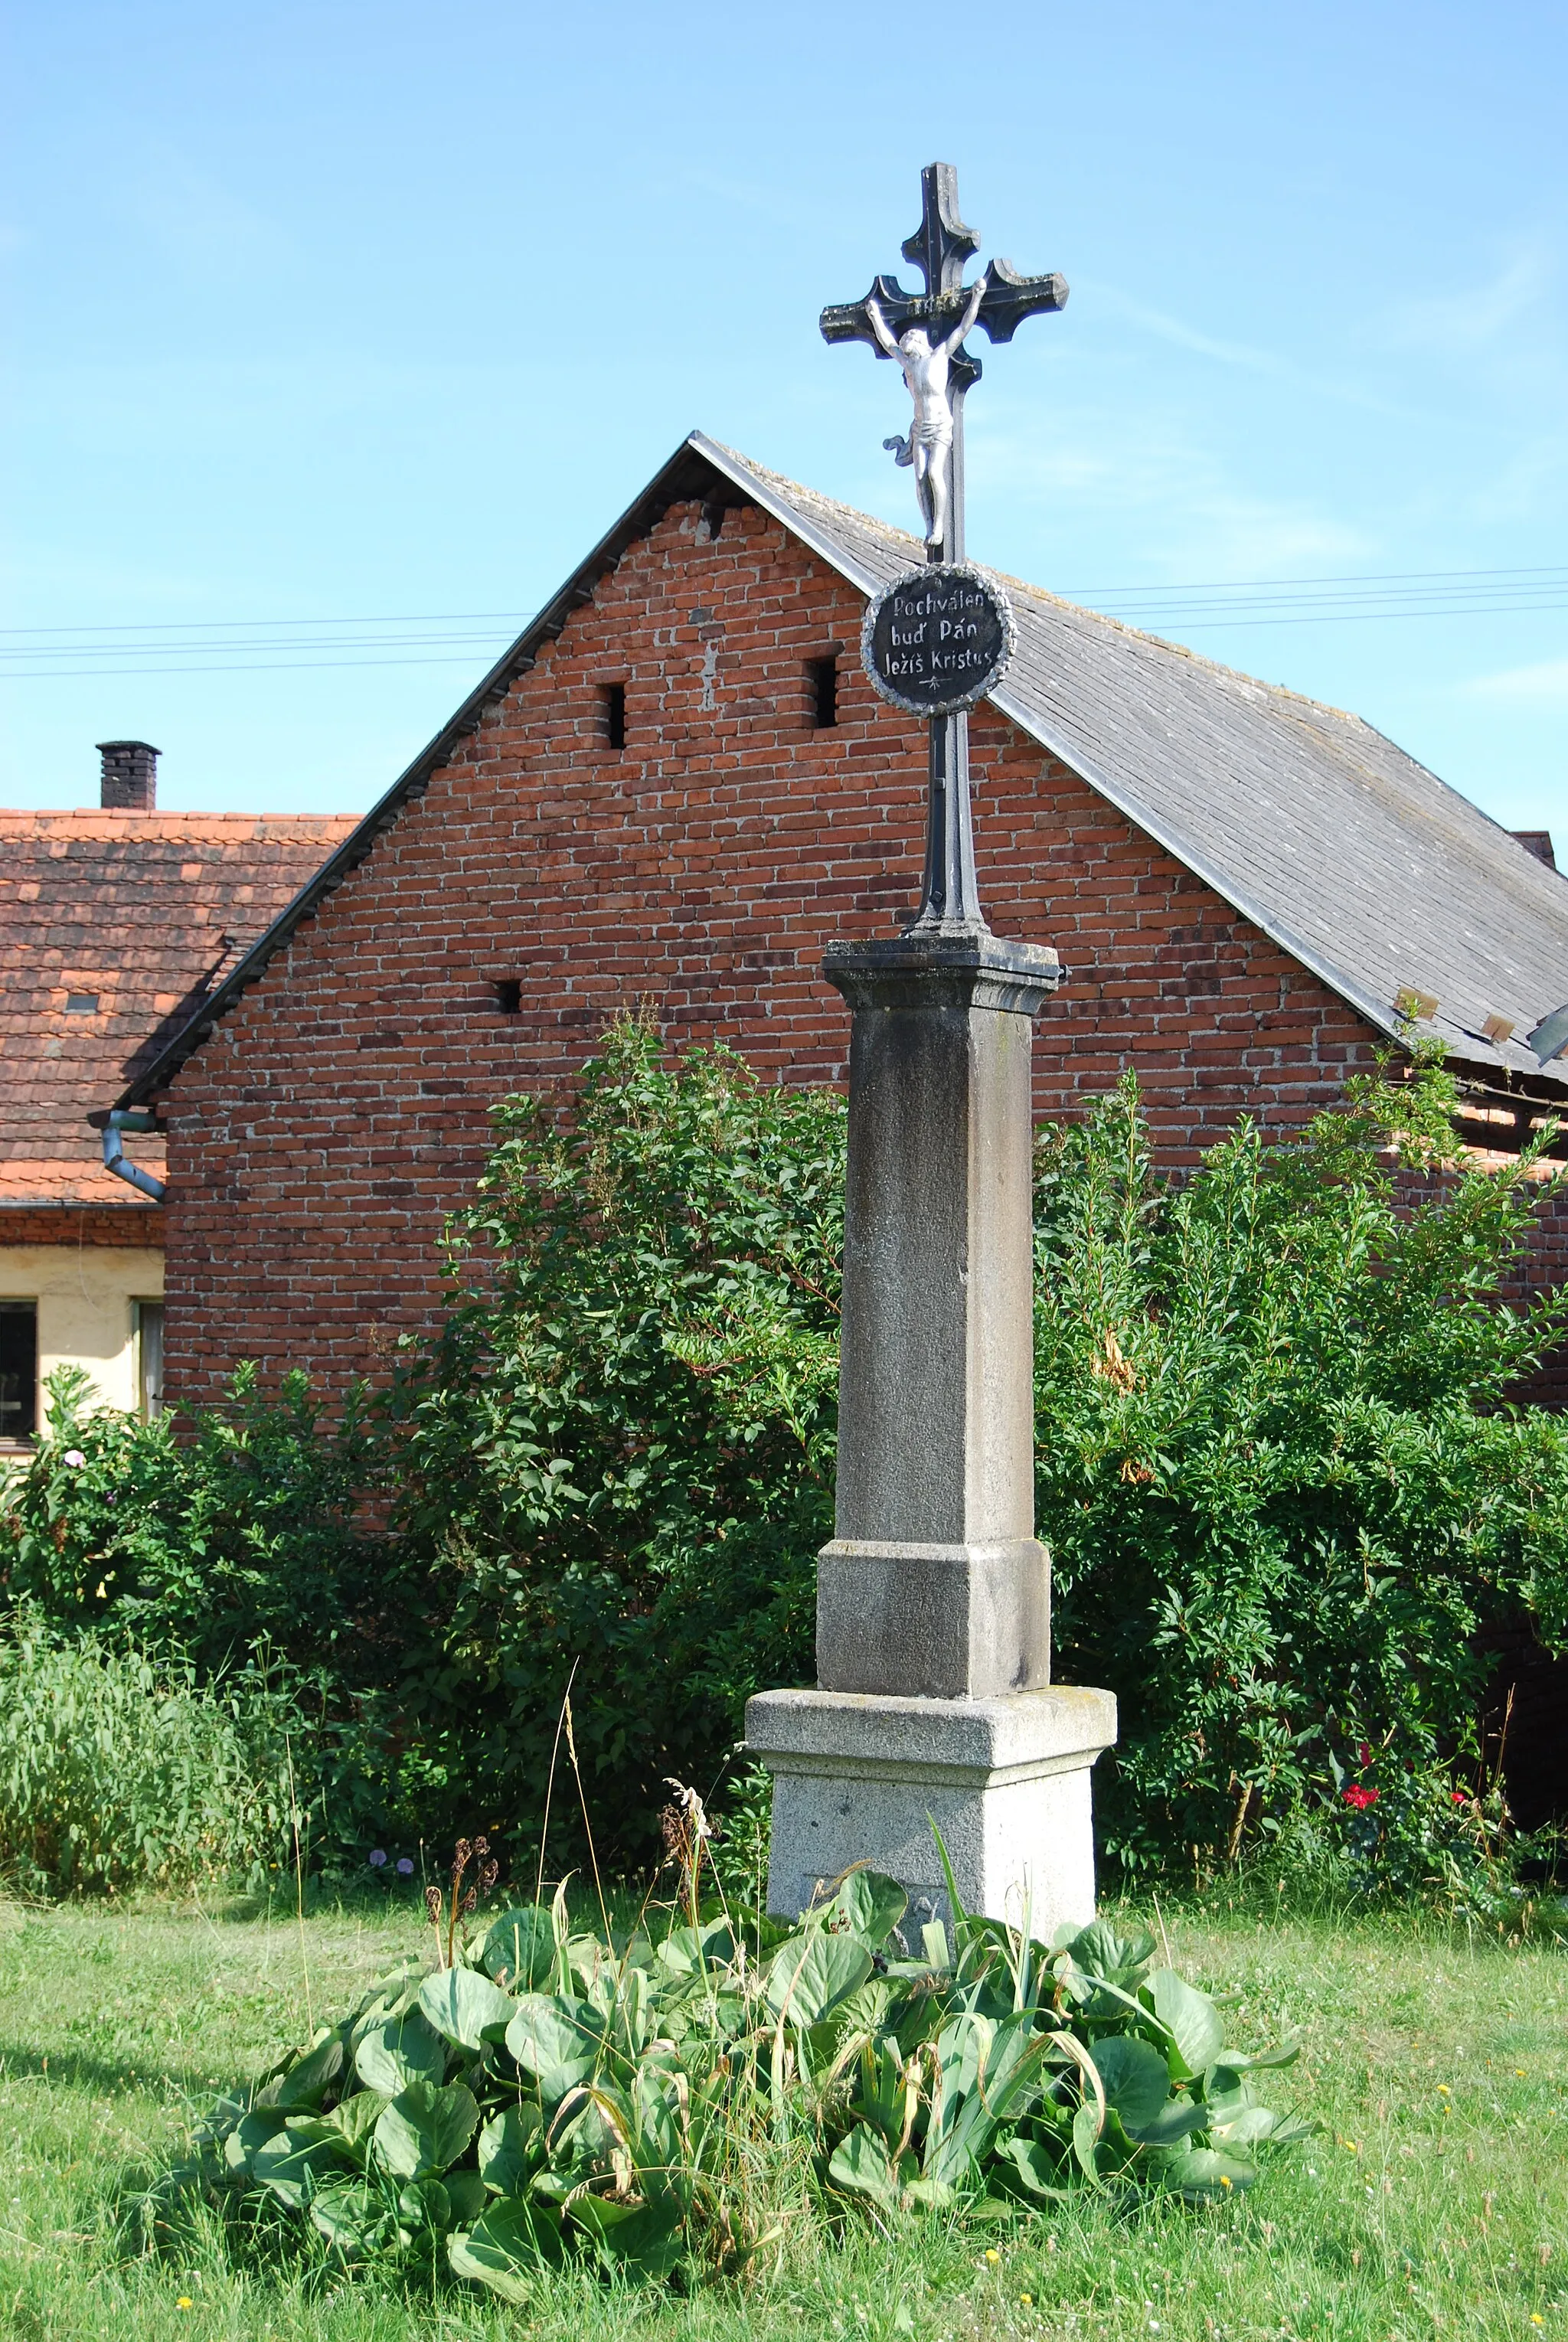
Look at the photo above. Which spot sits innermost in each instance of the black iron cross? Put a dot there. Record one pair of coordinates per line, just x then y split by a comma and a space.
941, 248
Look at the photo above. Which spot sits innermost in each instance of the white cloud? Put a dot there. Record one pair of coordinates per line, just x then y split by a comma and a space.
1543, 685
1469, 316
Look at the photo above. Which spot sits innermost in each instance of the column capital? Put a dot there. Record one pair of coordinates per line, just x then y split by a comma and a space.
962, 967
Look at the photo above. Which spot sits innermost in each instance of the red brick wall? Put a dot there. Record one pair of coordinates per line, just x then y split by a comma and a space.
82, 1223
318, 1136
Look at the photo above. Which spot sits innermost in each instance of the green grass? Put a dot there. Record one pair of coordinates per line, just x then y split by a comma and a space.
1412, 2214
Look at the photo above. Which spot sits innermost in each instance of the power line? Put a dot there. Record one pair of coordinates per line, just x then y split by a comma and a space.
249, 646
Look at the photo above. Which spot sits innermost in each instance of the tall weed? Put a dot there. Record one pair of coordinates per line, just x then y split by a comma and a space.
120, 1769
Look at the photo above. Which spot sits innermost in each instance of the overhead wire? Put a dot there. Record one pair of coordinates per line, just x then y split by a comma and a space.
240, 646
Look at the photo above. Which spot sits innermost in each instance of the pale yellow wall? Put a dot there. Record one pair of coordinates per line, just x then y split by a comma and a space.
85, 1314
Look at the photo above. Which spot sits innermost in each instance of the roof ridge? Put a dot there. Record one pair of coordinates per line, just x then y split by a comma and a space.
794, 488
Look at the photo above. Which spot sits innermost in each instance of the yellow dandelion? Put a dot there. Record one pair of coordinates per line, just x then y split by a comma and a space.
991, 2254
1536, 2319
1519, 2073
1224, 2182
183, 2302
1443, 2091
1027, 2299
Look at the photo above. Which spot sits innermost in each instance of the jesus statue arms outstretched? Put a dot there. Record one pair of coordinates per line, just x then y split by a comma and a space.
924, 365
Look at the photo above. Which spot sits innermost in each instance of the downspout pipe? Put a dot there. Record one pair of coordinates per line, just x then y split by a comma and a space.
115, 1153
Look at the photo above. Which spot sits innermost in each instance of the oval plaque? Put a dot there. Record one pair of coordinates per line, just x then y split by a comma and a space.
937, 640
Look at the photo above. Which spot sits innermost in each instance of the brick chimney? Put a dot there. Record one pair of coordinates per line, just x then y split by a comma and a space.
130, 776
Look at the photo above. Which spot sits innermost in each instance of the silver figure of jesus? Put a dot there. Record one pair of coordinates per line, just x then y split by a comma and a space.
929, 447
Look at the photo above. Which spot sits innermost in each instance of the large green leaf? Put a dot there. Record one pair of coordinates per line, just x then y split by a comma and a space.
1189, 2017
811, 1975
520, 1946
557, 2041
252, 2130
1135, 2077
641, 2236
302, 2087
1036, 2168
862, 2165
509, 2147
507, 2247
466, 2007
398, 2051
356, 2117
353, 2215
1102, 1952
292, 2168
871, 1905
689, 1951
1087, 2139
1204, 2171
425, 2128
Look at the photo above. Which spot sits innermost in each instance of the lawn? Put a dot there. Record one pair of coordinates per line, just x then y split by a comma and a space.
1435, 2201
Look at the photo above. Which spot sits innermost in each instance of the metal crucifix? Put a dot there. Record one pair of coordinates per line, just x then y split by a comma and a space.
935, 652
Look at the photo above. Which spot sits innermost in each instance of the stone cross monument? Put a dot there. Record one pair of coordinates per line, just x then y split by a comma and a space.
934, 1700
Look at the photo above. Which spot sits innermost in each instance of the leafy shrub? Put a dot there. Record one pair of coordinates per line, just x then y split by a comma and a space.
120, 1768
1281, 1479
249, 1555
619, 1449
545, 2096
253, 1532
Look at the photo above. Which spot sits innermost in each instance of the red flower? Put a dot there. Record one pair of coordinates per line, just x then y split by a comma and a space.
1458, 1797
1358, 1797
1364, 1755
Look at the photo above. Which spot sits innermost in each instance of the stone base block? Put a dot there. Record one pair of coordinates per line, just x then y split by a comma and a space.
935, 1621
859, 1777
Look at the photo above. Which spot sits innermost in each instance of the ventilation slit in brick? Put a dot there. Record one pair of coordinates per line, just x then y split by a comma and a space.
821, 675
509, 996
615, 715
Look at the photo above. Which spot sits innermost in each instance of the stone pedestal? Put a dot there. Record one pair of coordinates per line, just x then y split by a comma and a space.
861, 1777
933, 1615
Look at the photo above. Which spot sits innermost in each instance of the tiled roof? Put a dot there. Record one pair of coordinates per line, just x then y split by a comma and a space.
113, 927
1366, 867
1359, 862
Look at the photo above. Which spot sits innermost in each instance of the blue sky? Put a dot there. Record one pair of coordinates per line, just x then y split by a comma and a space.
328, 317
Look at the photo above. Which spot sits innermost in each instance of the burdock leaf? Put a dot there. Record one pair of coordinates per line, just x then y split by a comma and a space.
466, 2007
556, 2040
520, 1946
425, 2128
872, 1905
398, 2051
1190, 2018
507, 2150
507, 2248
810, 1975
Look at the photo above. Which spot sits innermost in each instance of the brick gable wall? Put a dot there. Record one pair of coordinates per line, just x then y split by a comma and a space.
339, 1110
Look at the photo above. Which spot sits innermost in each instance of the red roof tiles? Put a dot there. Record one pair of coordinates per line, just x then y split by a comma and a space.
113, 928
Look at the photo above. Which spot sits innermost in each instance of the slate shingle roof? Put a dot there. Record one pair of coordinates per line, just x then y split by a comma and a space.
113, 927
1363, 865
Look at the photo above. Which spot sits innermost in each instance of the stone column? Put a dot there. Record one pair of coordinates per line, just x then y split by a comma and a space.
934, 1696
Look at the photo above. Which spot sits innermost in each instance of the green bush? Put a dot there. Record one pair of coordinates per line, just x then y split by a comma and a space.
545, 2097
252, 1531
121, 1768
247, 1554
1282, 1479
618, 1452
1285, 1488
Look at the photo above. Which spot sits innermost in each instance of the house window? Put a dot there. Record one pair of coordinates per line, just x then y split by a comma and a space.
821, 693
509, 996
18, 1370
615, 715
81, 1003
150, 1359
